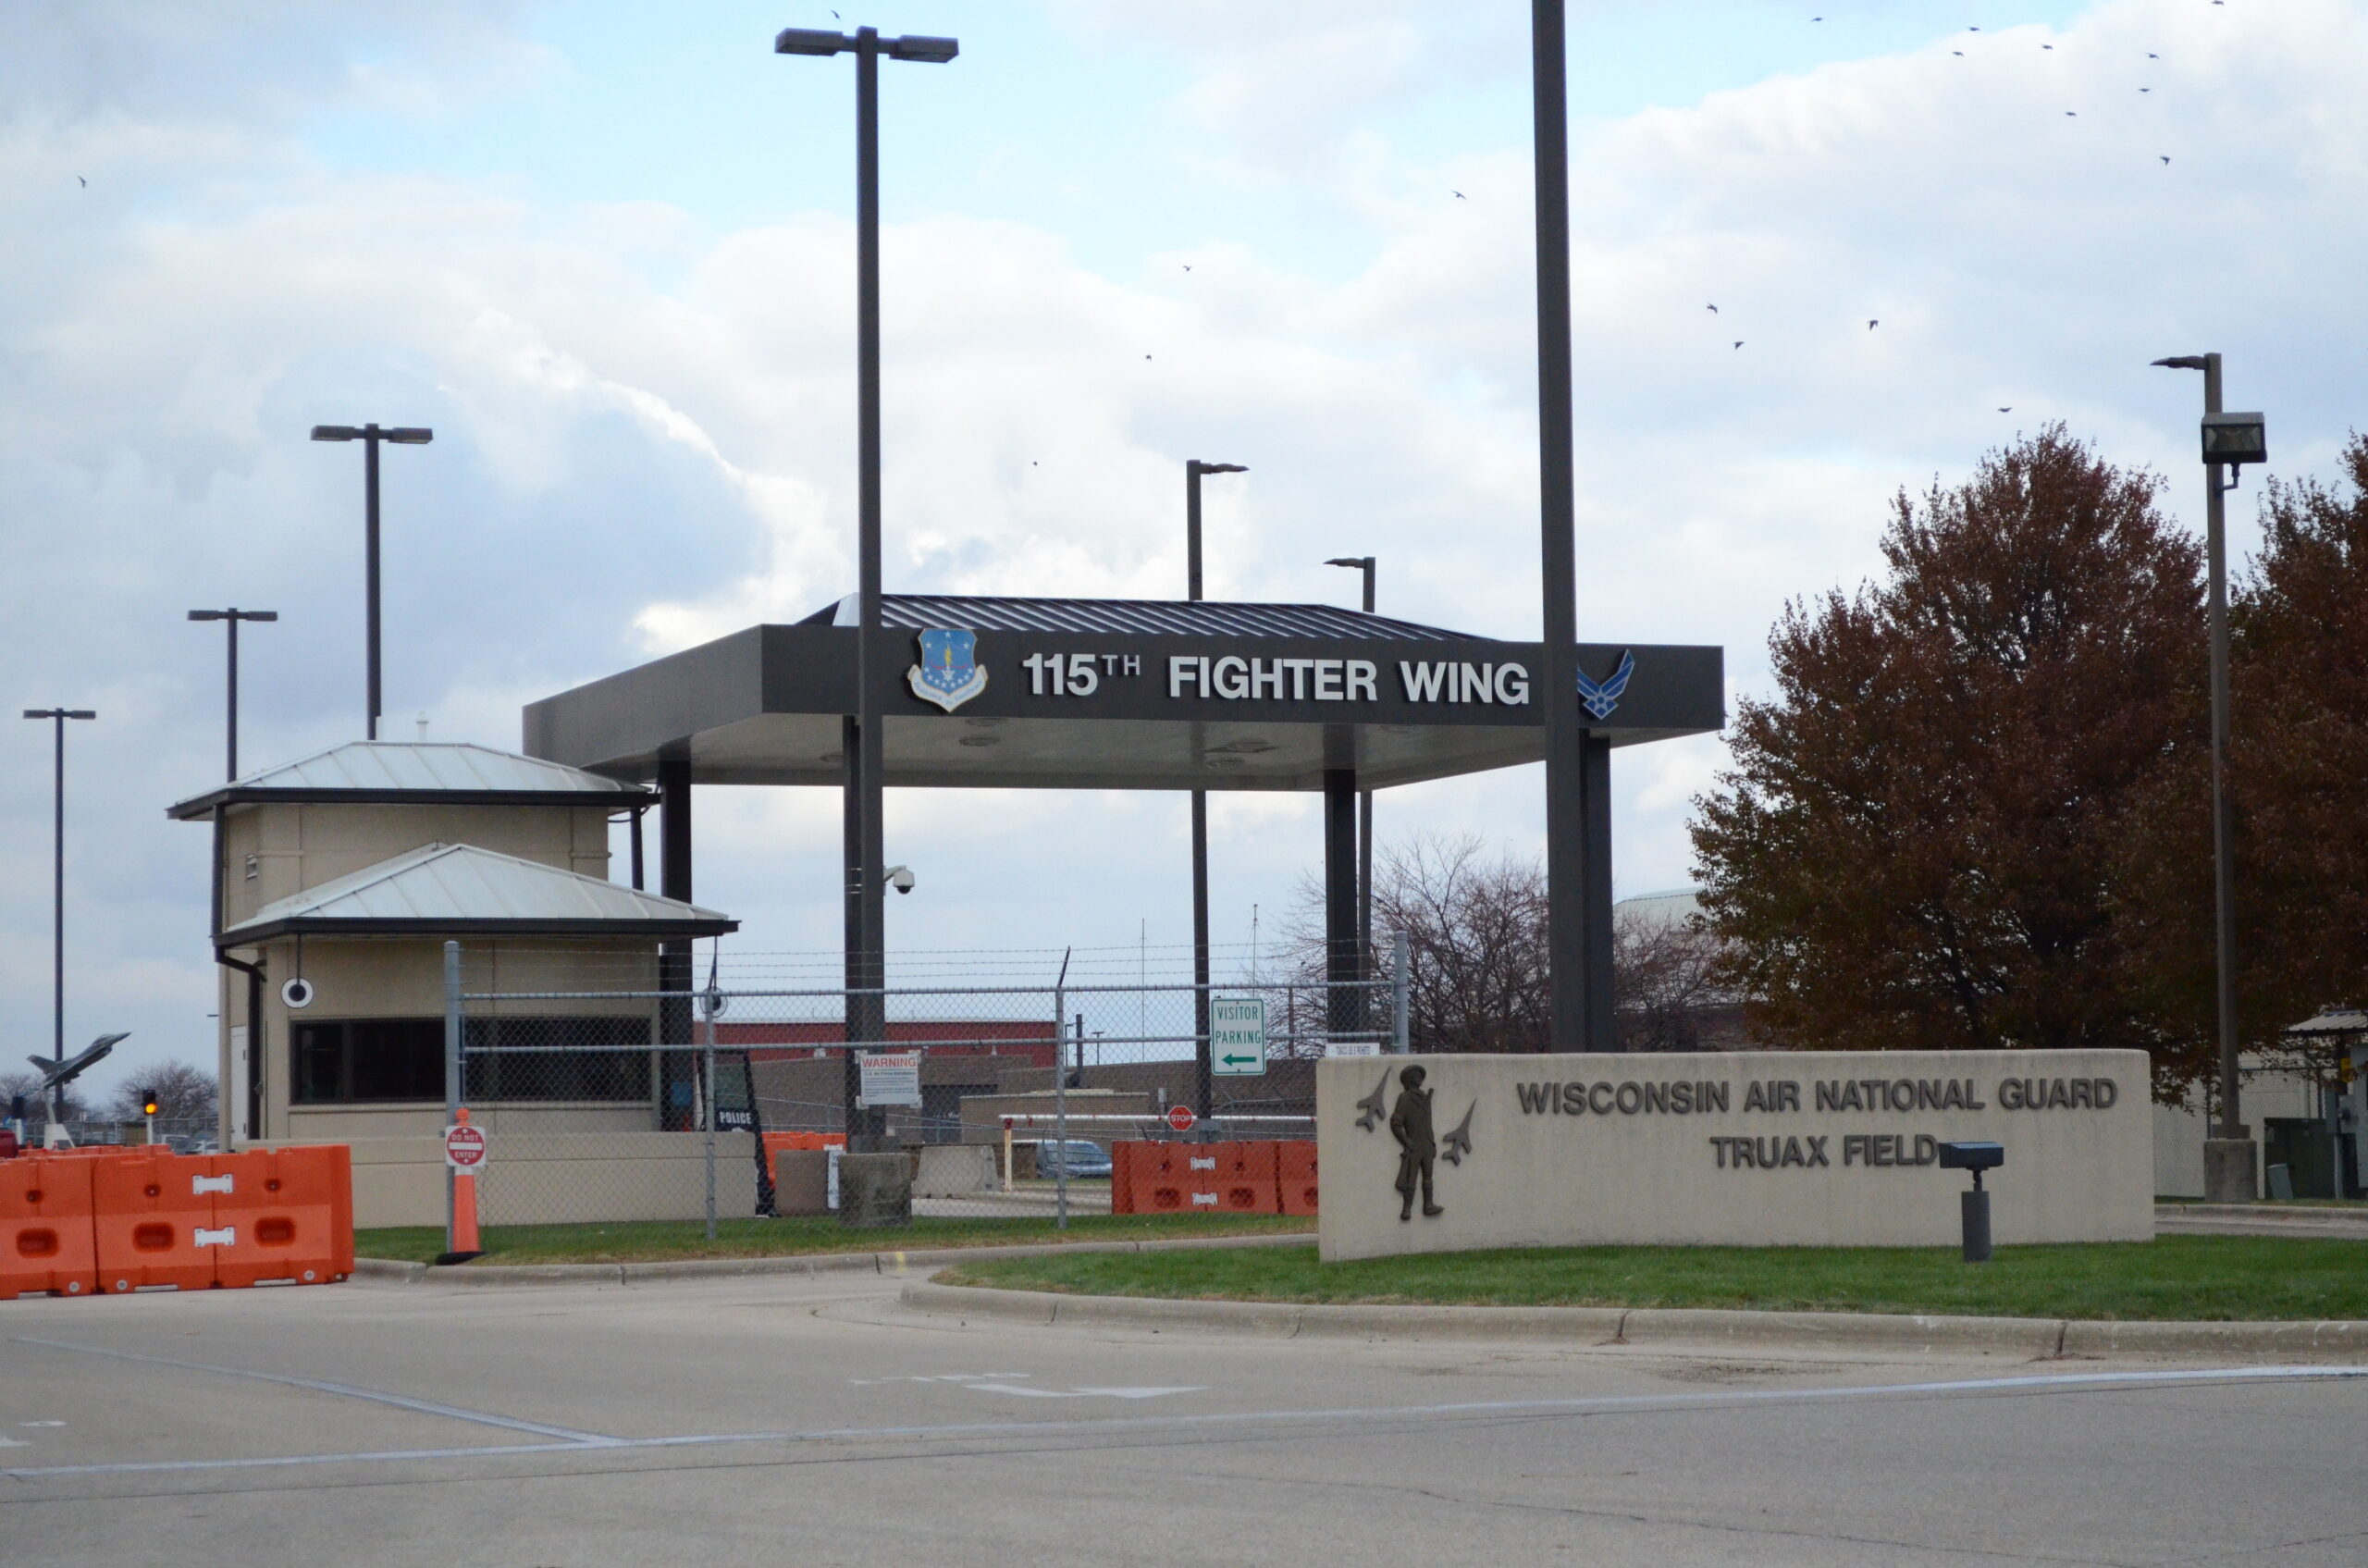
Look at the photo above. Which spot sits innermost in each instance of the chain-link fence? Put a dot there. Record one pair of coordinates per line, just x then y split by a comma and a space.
731, 1111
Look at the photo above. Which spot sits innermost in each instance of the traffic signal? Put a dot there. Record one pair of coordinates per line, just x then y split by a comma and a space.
147, 1102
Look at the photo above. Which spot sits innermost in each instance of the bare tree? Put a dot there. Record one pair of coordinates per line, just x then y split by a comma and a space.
183, 1094
1665, 981
1479, 982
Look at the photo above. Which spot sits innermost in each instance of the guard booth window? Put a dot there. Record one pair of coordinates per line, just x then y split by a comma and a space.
343, 1061
546, 1058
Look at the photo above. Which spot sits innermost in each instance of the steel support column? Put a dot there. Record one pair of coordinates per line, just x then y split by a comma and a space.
1344, 1008
673, 958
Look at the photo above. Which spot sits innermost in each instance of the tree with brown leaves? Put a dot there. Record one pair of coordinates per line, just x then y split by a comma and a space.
1918, 843
2298, 777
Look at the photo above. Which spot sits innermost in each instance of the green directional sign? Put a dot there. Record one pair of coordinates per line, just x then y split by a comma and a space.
1238, 1036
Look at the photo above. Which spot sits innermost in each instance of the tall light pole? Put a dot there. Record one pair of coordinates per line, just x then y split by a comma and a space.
371, 435
57, 877
866, 964
1364, 564
230, 619
1204, 1087
1578, 766
2229, 440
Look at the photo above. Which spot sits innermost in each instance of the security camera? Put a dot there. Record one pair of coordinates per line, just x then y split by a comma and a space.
901, 878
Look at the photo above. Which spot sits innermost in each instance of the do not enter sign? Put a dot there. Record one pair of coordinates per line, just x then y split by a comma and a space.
1181, 1118
465, 1148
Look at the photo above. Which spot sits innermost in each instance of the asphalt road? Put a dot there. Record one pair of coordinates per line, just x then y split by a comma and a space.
812, 1421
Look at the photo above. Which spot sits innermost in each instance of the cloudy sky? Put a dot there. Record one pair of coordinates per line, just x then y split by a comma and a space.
605, 250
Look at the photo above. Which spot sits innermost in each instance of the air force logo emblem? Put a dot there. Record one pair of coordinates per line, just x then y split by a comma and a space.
948, 674
1600, 698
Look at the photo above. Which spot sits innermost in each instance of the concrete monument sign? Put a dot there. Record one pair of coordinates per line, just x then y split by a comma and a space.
1757, 1148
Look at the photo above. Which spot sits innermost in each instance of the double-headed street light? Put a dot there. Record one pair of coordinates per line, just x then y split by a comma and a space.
57, 877
230, 618
401, 435
1203, 1085
1364, 564
866, 924
2229, 440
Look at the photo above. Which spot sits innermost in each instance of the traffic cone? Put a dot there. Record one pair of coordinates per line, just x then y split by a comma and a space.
465, 1244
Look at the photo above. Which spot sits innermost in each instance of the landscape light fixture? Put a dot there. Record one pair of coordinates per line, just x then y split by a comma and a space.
58, 875
1203, 1073
371, 435
865, 923
231, 618
2228, 439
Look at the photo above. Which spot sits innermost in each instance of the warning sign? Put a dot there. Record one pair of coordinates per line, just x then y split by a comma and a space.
891, 1078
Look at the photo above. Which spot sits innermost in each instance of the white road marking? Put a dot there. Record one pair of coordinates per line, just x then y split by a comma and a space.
2069, 1382
40, 1423
426, 1407
941, 1377
1081, 1393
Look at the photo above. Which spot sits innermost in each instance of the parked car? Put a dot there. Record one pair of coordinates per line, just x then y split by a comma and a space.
1076, 1158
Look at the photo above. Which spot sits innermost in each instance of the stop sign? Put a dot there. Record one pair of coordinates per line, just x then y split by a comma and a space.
463, 1148
1181, 1118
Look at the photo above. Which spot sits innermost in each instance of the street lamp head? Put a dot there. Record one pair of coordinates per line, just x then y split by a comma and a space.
809, 41
234, 615
2185, 361
408, 436
209, 615
2235, 438
60, 713
336, 433
1197, 467
1358, 562
931, 51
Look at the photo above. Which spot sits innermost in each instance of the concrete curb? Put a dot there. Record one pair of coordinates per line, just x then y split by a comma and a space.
894, 1264
2026, 1337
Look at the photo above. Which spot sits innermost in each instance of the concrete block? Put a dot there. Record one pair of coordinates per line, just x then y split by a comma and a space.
875, 1190
954, 1171
2231, 1170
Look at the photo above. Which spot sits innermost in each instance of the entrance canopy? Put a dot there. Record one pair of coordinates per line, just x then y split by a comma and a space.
1114, 693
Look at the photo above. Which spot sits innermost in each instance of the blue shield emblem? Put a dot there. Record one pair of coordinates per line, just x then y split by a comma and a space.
948, 674
1600, 698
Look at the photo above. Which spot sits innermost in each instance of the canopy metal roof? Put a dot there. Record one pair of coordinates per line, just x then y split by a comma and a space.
418, 772
1114, 693
458, 889
915, 612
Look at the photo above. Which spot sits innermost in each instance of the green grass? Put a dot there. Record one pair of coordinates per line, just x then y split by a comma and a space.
661, 1240
2177, 1278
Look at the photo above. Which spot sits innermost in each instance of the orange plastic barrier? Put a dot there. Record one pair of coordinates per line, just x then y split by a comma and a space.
46, 1241
1295, 1174
152, 1220
1209, 1178
280, 1214
1122, 1181
776, 1141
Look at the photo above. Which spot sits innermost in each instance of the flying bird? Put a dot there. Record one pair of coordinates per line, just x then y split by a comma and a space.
84, 182
2071, 114
1738, 343
1459, 195
2009, 409
1188, 266
2047, 45
2145, 89
1712, 309
2167, 157
2153, 56
1958, 52
1873, 325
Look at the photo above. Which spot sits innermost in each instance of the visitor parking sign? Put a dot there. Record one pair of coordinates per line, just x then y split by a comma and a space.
1238, 1036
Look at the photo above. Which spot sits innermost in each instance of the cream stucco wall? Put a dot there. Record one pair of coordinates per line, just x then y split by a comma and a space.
1542, 1173
556, 1179
295, 848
